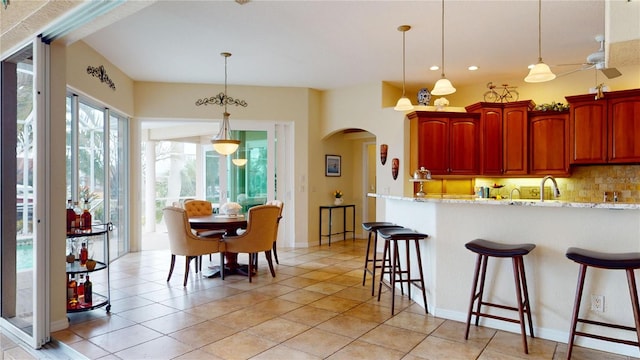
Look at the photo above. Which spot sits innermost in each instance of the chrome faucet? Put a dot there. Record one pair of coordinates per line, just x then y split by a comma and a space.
511, 193
556, 191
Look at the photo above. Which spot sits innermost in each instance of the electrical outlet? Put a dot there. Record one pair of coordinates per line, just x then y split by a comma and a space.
597, 303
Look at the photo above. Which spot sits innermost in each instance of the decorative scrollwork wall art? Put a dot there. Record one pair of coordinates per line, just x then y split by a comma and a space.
221, 99
101, 73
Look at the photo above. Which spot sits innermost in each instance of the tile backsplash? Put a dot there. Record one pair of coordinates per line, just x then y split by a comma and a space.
586, 184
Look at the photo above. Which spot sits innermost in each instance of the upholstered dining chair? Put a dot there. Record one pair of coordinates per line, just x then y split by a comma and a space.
262, 224
279, 204
182, 241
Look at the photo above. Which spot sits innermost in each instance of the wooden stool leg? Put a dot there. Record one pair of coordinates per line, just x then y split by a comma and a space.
517, 260
483, 275
576, 309
385, 258
474, 289
525, 289
366, 261
631, 279
393, 277
374, 264
424, 294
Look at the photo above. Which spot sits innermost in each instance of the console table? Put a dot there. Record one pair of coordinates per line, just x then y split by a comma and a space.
344, 231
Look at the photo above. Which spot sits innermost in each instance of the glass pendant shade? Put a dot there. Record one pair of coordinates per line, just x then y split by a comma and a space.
540, 73
403, 104
223, 144
239, 162
443, 87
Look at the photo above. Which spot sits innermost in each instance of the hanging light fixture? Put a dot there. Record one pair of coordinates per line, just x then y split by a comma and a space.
239, 161
403, 104
443, 86
540, 72
223, 144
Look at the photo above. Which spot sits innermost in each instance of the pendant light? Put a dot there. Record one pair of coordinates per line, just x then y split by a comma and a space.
403, 104
223, 144
541, 71
443, 86
239, 161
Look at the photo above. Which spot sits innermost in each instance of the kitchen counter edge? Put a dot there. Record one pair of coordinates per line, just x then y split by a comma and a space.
462, 199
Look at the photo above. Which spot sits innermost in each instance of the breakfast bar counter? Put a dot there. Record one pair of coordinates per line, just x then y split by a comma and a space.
452, 221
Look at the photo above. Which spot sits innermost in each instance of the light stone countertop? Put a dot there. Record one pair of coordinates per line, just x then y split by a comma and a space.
471, 199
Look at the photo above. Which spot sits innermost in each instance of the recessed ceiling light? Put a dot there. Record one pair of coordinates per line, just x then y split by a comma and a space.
434, 68
473, 68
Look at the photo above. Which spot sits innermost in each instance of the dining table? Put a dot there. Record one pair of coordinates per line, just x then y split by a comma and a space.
230, 224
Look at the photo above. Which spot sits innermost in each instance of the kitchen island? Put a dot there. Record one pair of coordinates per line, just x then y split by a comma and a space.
452, 221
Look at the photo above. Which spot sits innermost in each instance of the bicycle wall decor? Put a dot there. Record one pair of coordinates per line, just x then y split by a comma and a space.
508, 93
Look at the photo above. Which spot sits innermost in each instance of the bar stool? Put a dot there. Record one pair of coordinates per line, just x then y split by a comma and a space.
484, 249
620, 261
392, 267
372, 228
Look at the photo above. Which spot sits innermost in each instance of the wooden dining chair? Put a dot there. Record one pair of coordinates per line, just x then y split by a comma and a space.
262, 225
195, 207
182, 241
279, 204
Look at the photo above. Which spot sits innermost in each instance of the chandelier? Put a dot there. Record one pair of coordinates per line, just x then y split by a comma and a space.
223, 143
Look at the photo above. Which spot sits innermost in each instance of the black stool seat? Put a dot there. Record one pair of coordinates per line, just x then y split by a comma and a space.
490, 248
374, 225
516, 252
618, 261
393, 267
400, 233
610, 261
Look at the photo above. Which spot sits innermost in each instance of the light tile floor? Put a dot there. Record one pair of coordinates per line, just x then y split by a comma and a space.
315, 308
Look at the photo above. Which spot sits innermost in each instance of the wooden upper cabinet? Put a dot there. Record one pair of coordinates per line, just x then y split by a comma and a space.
624, 129
504, 137
548, 143
447, 143
605, 130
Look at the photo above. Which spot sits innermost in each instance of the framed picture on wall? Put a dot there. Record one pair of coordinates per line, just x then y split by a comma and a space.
332, 166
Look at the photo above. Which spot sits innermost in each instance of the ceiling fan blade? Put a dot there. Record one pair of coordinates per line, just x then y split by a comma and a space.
611, 73
569, 72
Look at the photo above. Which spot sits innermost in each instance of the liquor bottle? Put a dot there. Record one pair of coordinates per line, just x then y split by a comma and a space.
71, 216
88, 291
86, 217
80, 288
84, 255
72, 293
78, 212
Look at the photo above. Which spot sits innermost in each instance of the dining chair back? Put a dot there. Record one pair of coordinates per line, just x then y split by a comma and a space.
279, 204
183, 242
262, 224
198, 207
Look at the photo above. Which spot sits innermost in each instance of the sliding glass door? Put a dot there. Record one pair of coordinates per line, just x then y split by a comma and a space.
23, 226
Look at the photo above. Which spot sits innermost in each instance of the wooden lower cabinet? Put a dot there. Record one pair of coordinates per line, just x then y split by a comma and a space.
548, 145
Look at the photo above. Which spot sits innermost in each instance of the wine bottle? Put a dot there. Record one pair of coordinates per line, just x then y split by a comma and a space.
88, 291
72, 293
71, 216
84, 255
78, 212
81, 289
86, 217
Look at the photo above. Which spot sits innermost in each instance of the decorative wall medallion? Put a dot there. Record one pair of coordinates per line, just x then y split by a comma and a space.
395, 166
383, 153
101, 73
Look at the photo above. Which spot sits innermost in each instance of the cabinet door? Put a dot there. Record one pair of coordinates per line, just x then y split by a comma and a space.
514, 139
588, 132
548, 143
491, 154
463, 146
433, 149
624, 125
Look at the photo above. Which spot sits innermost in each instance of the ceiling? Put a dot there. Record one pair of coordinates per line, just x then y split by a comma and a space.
335, 44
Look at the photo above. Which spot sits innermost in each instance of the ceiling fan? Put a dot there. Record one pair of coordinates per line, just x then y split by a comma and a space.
595, 60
